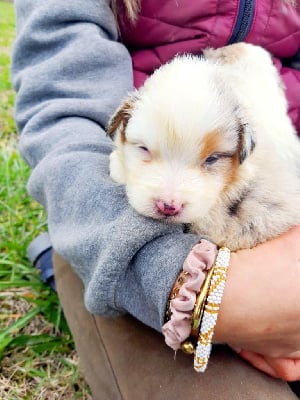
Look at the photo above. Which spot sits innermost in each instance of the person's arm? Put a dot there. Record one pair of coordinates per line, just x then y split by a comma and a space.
70, 73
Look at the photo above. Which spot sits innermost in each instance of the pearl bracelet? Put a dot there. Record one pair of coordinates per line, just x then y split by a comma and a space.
211, 310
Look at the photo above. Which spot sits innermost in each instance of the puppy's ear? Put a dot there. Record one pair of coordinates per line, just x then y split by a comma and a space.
246, 141
120, 118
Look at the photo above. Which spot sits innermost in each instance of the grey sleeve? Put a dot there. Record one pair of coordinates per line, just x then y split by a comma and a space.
70, 73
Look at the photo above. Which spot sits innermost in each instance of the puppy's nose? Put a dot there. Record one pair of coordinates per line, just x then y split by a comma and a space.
168, 208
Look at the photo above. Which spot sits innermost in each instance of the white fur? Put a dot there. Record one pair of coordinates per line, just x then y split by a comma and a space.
232, 89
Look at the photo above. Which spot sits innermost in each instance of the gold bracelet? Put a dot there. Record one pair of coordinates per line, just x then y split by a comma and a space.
189, 345
200, 302
180, 280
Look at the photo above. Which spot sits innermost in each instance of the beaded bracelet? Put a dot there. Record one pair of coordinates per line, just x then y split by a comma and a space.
211, 310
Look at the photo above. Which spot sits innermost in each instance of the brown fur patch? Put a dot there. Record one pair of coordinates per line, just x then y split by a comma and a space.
210, 144
120, 118
226, 55
246, 142
245, 148
231, 174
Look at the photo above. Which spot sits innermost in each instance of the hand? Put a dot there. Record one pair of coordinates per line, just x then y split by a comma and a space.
287, 369
260, 310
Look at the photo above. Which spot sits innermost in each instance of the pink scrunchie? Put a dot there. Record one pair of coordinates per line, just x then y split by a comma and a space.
198, 262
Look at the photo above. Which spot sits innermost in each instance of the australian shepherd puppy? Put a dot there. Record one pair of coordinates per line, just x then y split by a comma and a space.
207, 142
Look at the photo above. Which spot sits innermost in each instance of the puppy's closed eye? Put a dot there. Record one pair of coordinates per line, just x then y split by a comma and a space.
145, 152
144, 149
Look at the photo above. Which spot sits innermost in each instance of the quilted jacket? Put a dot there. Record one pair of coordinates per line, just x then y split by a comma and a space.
166, 28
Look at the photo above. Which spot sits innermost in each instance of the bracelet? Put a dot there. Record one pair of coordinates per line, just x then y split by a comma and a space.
180, 308
189, 345
181, 279
200, 304
211, 310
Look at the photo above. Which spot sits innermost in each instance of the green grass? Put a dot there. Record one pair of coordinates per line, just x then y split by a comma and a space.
6, 93
37, 356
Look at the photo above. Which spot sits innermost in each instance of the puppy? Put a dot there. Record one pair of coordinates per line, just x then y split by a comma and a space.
207, 142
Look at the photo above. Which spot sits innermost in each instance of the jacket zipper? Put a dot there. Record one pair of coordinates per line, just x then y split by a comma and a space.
243, 22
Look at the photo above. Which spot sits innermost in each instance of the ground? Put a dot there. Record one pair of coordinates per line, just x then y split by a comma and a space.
37, 356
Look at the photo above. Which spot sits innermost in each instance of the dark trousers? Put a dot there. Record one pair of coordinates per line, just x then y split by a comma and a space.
123, 359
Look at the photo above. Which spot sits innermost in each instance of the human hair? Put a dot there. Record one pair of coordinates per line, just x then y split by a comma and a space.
293, 3
132, 7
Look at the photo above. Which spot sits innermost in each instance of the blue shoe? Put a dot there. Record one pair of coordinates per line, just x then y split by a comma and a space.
39, 252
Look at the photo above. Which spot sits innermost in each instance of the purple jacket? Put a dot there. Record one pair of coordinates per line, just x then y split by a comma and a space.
170, 27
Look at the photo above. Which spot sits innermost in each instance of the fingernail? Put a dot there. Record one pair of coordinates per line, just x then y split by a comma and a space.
236, 349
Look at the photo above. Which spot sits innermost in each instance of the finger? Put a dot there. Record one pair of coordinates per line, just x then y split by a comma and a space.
286, 368
236, 349
259, 362
295, 355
